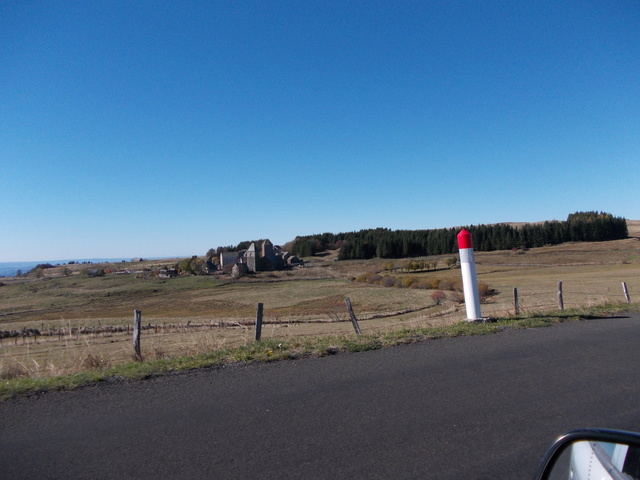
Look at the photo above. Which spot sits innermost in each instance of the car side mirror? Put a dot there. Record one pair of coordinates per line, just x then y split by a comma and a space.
592, 454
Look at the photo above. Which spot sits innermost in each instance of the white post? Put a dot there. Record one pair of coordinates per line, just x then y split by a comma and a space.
469, 280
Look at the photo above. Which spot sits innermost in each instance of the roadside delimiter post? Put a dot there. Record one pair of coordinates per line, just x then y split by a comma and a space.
469, 280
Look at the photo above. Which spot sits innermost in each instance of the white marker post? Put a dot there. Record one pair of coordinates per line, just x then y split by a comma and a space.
469, 281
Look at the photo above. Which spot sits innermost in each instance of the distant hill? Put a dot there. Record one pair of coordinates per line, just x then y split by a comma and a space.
10, 269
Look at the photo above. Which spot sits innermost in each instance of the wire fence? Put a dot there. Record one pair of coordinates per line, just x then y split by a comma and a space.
162, 338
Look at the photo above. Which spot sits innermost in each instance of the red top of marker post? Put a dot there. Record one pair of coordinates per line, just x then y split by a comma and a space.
464, 239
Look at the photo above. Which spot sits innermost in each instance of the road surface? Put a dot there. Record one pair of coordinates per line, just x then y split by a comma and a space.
473, 407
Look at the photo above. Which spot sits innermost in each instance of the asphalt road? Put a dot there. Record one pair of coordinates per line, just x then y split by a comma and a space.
475, 408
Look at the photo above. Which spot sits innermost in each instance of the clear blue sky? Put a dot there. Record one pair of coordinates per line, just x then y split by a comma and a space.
150, 128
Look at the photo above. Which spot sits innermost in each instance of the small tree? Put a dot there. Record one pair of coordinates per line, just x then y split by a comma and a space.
191, 265
452, 262
388, 266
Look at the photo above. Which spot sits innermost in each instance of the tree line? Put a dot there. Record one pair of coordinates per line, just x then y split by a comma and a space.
385, 243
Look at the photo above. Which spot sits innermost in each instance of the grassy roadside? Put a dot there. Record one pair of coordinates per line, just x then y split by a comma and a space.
305, 347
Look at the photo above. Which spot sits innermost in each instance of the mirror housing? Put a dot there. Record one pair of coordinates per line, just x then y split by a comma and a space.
626, 441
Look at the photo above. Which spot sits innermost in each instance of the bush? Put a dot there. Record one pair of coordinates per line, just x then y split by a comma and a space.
388, 282
408, 281
411, 281
484, 291
93, 272
193, 265
362, 278
456, 297
447, 284
438, 297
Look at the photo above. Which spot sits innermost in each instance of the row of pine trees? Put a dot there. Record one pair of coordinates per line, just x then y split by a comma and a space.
385, 243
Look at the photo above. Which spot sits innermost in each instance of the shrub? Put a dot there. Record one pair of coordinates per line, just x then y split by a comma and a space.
456, 297
438, 297
408, 281
13, 369
362, 278
93, 362
483, 291
388, 281
446, 284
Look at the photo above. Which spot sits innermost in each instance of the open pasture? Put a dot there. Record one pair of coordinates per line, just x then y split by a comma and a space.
192, 314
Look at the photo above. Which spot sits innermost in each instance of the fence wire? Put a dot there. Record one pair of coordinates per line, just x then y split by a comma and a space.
162, 338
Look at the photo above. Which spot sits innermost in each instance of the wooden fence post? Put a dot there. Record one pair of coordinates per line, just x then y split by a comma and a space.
560, 299
137, 320
626, 292
354, 320
259, 323
515, 300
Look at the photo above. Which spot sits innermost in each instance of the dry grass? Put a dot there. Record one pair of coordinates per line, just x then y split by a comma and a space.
202, 314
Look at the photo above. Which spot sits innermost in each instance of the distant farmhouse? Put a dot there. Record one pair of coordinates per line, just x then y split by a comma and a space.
269, 258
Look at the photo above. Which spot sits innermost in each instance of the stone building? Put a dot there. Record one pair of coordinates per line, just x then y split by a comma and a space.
228, 260
270, 257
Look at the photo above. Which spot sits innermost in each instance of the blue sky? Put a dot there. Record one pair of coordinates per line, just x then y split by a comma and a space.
152, 128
